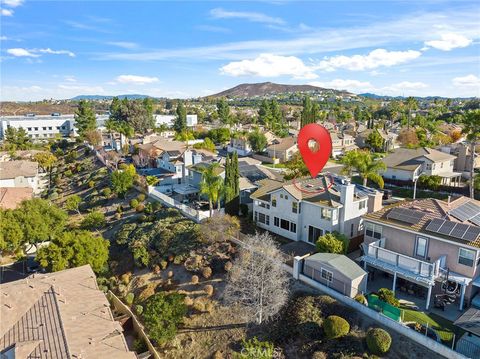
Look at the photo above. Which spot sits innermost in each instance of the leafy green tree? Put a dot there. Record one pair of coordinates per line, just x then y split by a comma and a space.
121, 181
46, 161
223, 111
264, 113
257, 140
412, 104
232, 186
163, 314
17, 138
152, 180
207, 144
40, 220
471, 128
332, 243
296, 167
180, 123
93, 221
85, 119
220, 135
431, 182
310, 112
72, 203
363, 163
11, 234
212, 185
129, 116
74, 249
375, 141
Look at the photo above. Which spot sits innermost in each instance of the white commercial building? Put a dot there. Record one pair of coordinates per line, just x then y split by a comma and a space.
302, 210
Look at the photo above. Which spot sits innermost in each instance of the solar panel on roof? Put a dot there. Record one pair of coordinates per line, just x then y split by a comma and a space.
472, 233
447, 227
435, 225
466, 211
459, 230
405, 215
476, 220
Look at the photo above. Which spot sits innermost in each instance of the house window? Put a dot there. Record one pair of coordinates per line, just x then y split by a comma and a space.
326, 213
281, 196
29, 128
274, 202
362, 205
44, 128
262, 218
293, 227
466, 257
284, 224
286, 197
36, 128
276, 221
421, 247
373, 230
314, 233
295, 207
327, 275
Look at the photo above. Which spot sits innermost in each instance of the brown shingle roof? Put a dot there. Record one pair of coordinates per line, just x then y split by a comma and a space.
283, 144
410, 159
13, 169
431, 209
67, 310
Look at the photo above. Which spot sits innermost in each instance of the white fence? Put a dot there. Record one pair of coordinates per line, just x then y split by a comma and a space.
189, 212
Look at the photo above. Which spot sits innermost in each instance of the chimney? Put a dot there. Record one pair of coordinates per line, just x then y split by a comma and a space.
374, 202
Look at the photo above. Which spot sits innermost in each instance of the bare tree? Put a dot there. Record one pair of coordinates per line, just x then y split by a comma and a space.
257, 280
218, 228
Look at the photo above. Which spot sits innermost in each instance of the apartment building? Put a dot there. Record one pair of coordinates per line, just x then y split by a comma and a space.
408, 164
303, 210
429, 243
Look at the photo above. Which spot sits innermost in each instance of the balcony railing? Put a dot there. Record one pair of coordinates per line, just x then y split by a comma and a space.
403, 264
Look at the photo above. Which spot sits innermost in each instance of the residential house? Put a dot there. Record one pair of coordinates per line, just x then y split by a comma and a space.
11, 197
342, 143
283, 149
430, 243
463, 158
408, 164
389, 139
59, 315
240, 145
21, 174
305, 209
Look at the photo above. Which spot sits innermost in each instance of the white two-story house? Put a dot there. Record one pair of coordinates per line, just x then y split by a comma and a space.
408, 164
302, 210
21, 174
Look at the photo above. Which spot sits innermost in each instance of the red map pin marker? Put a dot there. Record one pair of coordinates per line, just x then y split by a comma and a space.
315, 161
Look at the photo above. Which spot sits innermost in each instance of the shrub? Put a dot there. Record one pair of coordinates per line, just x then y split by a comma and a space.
125, 278
156, 269
332, 243
335, 327
199, 306
118, 215
147, 292
194, 279
163, 264
106, 192
93, 220
208, 289
139, 309
209, 307
141, 197
217, 355
129, 298
133, 203
378, 341
188, 301
361, 299
228, 266
388, 296
68, 173
140, 207
119, 208
255, 349
207, 272
91, 184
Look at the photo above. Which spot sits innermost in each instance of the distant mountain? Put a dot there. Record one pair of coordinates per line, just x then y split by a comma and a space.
104, 97
270, 88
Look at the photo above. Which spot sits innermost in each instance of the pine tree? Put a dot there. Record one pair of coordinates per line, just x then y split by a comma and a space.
232, 186
85, 119
180, 124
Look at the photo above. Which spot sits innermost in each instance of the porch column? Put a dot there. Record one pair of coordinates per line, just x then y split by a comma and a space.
462, 297
394, 282
429, 294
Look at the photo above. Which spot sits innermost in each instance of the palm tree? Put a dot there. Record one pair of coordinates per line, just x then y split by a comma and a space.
412, 104
471, 128
212, 185
363, 163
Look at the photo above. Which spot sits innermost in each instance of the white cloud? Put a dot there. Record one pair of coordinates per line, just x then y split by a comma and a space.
70, 78
219, 13
350, 85
400, 87
19, 52
12, 3
269, 65
55, 52
449, 42
376, 58
123, 44
6, 12
134, 79
3, 38
467, 81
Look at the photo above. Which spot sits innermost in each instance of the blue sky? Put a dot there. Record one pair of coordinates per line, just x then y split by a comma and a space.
59, 49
